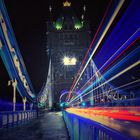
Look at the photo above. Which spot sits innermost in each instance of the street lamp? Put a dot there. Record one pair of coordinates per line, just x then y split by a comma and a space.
24, 103
14, 85
69, 60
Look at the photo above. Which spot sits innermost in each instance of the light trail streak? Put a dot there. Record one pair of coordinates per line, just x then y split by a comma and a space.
114, 77
122, 86
122, 119
123, 46
134, 53
101, 38
89, 99
124, 60
91, 45
121, 113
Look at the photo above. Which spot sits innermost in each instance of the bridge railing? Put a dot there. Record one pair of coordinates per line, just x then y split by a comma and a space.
80, 128
11, 119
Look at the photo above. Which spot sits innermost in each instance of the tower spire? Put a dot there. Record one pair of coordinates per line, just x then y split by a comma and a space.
84, 8
50, 8
66, 4
83, 15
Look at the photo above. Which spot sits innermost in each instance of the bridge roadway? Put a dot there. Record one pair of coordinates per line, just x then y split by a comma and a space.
48, 126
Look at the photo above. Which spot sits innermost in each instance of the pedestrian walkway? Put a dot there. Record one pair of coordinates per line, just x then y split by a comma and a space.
49, 126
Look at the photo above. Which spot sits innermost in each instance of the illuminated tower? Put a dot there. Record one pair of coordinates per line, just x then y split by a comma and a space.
67, 41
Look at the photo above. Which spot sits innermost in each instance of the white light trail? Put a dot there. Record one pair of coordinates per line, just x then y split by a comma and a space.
112, 57
114, 77
122, 86
101, 38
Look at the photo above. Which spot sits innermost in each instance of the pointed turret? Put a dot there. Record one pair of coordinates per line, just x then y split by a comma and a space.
67, 20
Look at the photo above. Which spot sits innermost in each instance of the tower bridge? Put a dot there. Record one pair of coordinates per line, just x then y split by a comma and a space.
93, 83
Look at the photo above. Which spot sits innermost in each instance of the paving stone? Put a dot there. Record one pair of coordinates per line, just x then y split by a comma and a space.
49, 126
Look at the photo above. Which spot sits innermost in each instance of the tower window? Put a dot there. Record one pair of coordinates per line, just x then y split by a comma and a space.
66, 36
71, 37
61, 36
70, 27
65, 27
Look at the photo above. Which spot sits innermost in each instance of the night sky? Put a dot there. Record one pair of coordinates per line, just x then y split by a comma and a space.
28, 19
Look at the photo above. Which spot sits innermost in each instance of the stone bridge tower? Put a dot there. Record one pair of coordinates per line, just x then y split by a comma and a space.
67, 42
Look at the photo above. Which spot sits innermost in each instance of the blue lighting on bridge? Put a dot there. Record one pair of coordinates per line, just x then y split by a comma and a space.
96, 110
12, 58
110, 58
128, 24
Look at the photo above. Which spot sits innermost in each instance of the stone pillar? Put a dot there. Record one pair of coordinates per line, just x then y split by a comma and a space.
24, 103
14, 84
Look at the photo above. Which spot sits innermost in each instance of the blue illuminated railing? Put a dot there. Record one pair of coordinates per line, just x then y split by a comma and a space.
8, 106
80, 128
11, 119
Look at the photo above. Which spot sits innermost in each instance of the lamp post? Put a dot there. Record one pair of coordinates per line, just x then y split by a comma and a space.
14, 85
24, 103
69, 60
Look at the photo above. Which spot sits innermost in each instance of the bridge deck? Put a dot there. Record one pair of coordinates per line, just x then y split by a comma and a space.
49, 126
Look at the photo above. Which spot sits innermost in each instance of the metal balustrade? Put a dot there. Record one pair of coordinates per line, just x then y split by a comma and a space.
80, 128
11, 119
